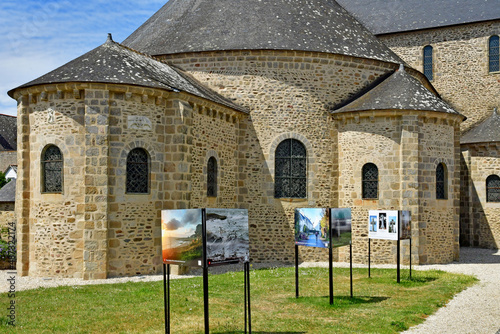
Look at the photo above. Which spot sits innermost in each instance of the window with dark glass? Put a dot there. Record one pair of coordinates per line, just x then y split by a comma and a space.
370, 181
441, 181
428, 62
212, 177
137, 172
494, 54
52, 170
493, 188
290, 170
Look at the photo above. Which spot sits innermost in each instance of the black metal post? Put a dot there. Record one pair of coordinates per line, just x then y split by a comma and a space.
249, 305
296, 271
205, 269
369, 258
166, 297
330, 258
245, 284
350, 260
398, 261
410, 257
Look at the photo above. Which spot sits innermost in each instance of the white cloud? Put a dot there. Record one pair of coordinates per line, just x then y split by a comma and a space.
38, 36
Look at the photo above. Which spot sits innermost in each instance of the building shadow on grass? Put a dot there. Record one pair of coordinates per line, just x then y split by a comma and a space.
342, 299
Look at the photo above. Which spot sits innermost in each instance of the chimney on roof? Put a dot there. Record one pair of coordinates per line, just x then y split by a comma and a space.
110, 37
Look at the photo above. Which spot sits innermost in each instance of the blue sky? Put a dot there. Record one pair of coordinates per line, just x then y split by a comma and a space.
38, 36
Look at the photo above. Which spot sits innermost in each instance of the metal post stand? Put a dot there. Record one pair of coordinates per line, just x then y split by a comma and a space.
350, 260
296, 271
248, 313
369, 258
166, 296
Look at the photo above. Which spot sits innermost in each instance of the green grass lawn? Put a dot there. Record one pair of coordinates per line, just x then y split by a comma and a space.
380, 305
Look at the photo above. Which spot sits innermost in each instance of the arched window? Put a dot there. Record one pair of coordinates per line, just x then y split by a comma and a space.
494, 53
428, 62
370, 181
290, 170
493, 188
441, 182
212, 177
52, 170
137, 172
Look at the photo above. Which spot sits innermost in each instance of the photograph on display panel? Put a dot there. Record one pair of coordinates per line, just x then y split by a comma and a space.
373, 223
405, 225
341, 227
227, 236
392, 223
383, 224
312, 227
182, 239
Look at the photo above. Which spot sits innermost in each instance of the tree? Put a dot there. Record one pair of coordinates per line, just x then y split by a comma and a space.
3, 180
324, 223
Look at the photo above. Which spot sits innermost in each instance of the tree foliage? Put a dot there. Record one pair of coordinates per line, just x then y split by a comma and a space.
3, 180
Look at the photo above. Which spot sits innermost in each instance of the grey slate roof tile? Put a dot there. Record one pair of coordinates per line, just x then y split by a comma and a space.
8, 192
392, 16
115, 63
485, 132
214, 25
400, 91
8, 133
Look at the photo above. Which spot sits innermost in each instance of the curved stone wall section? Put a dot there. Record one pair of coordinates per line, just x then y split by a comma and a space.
439, 218
215, 133
134, 231
480, 220
364, 139
460, 65
56, 248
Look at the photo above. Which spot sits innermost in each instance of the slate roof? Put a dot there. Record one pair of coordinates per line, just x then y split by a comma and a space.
8, 192
485, 132
392, 16
8, 133
213, 25
400, 91
114, 63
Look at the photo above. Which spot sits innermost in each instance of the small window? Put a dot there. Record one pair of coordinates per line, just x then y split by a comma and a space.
370, 181
137, 172
290, 170
494, 54
52, 170
493, 188
441, 181
212, 177
428, 62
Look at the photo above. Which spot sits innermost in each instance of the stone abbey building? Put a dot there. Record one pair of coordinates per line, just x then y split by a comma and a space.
267, 105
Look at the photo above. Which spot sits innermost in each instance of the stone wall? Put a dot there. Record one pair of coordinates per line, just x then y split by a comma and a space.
215, 134
460, 65
369, 140
405, 147
134, 231
54, 235
480, 220
439, 218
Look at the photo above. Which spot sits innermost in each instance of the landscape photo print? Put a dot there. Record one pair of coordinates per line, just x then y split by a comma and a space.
182, 237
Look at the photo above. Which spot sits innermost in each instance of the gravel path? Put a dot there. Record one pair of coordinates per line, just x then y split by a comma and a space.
474, 310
